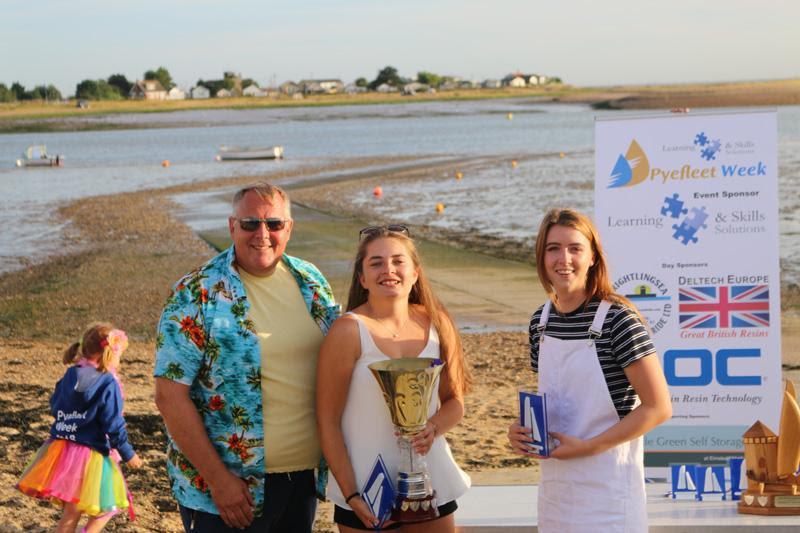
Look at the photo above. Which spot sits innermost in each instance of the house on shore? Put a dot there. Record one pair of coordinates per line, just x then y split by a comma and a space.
147, 90
410, 89
200, 92
538, 79
223, 93
516, 80
385, 88
176, 94
325, 86
352, 88
290, 88
254, 90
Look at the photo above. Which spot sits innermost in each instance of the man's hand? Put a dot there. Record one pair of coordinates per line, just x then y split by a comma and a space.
135, 461
229, 492
233, 500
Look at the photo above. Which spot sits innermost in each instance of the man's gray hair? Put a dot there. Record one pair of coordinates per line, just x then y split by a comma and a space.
267, 192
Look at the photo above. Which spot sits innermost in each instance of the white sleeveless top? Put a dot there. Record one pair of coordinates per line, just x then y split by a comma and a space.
368, 430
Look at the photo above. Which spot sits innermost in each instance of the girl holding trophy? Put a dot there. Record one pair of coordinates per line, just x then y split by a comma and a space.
603, 381
392, 315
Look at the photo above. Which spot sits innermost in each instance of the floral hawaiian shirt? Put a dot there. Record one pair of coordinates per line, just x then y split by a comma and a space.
206, 341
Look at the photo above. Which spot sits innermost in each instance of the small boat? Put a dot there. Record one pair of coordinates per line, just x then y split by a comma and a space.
36, 156
231, 153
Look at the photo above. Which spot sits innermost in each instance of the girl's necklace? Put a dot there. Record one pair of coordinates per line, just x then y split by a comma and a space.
393, 333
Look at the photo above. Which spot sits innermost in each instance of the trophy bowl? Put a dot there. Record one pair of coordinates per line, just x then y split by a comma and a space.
407, 385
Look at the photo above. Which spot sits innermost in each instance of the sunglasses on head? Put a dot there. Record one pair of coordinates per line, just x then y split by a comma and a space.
378, 230
252, 224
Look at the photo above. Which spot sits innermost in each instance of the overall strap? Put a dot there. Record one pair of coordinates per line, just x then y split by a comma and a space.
596, 329
544, 317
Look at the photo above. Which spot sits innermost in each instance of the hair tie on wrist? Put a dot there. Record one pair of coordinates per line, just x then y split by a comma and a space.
347, 500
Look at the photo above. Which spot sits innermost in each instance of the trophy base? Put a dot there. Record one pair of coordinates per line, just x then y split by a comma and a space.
415, 510
769, 503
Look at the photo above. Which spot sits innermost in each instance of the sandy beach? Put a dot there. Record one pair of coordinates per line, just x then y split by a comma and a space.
119, 265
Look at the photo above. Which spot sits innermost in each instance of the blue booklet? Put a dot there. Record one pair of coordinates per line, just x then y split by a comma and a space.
533, 414
379, 492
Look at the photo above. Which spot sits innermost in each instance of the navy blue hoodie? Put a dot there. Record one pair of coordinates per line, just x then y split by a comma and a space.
87, 406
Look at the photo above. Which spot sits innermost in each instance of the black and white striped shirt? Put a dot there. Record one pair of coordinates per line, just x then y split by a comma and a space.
623, 341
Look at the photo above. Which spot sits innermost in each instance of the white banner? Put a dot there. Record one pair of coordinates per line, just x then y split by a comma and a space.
687, 208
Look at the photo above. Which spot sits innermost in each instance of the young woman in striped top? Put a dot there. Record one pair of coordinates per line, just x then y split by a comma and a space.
604, 384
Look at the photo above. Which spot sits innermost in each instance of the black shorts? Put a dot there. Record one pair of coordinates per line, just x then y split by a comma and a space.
348, 518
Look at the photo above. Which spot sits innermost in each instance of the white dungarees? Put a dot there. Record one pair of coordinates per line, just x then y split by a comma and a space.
603, 492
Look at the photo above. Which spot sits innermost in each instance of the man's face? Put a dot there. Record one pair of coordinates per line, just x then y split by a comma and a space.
258, 252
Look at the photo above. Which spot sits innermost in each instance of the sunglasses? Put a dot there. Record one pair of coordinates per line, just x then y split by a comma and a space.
369, 231
252, 224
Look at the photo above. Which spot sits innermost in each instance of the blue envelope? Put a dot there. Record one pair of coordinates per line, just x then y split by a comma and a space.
379, 492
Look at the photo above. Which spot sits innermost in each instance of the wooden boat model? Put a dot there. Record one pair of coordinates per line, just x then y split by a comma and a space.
232, 153
36, 156
773, 462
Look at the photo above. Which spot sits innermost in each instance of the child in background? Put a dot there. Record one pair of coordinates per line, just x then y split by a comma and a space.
78, 466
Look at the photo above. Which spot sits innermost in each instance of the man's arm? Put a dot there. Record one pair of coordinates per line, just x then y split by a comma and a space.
229, 492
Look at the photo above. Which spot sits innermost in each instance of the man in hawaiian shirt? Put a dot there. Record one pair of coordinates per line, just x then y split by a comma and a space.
236, 358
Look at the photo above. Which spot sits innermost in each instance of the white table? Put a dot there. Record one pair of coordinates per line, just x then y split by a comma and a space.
494, 509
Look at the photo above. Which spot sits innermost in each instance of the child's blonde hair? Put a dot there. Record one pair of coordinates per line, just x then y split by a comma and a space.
95, 345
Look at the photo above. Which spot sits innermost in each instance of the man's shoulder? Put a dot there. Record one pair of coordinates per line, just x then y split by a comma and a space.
215, 269
305, 269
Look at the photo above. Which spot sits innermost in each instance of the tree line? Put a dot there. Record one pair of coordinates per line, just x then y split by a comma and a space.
117, 86
17, 92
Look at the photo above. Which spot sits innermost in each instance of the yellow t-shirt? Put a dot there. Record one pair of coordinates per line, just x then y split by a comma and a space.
290, 342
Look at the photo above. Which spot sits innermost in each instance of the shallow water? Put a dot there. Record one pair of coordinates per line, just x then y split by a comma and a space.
494, 199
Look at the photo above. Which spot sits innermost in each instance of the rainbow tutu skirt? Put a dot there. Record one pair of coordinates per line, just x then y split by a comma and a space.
67, 472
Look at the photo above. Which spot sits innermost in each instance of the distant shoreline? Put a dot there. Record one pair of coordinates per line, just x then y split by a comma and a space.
25, 117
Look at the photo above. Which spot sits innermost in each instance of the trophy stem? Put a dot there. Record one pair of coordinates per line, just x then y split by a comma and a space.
416, 499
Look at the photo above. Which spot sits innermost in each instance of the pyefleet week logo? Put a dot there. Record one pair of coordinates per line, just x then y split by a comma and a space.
650, 296
631, 168
634, 167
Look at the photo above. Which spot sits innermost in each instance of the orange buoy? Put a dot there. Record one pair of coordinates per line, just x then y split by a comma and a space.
439, 207
561, 155
377, 192
513, 163
510, 116
459, 175
217, 157
165, 163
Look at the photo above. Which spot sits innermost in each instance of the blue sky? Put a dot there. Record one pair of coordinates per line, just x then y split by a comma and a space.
585, 42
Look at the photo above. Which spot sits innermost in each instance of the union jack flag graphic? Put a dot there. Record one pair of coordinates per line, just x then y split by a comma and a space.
725, 306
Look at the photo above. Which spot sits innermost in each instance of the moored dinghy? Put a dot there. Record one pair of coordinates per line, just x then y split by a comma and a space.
36, 156
231, 153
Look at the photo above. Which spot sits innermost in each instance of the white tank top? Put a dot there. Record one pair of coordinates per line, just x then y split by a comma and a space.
368, 431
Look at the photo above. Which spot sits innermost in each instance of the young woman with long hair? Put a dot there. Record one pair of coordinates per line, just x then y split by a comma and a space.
392, 313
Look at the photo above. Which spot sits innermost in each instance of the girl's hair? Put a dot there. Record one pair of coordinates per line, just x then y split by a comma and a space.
598, 283
94, 345
456, 375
